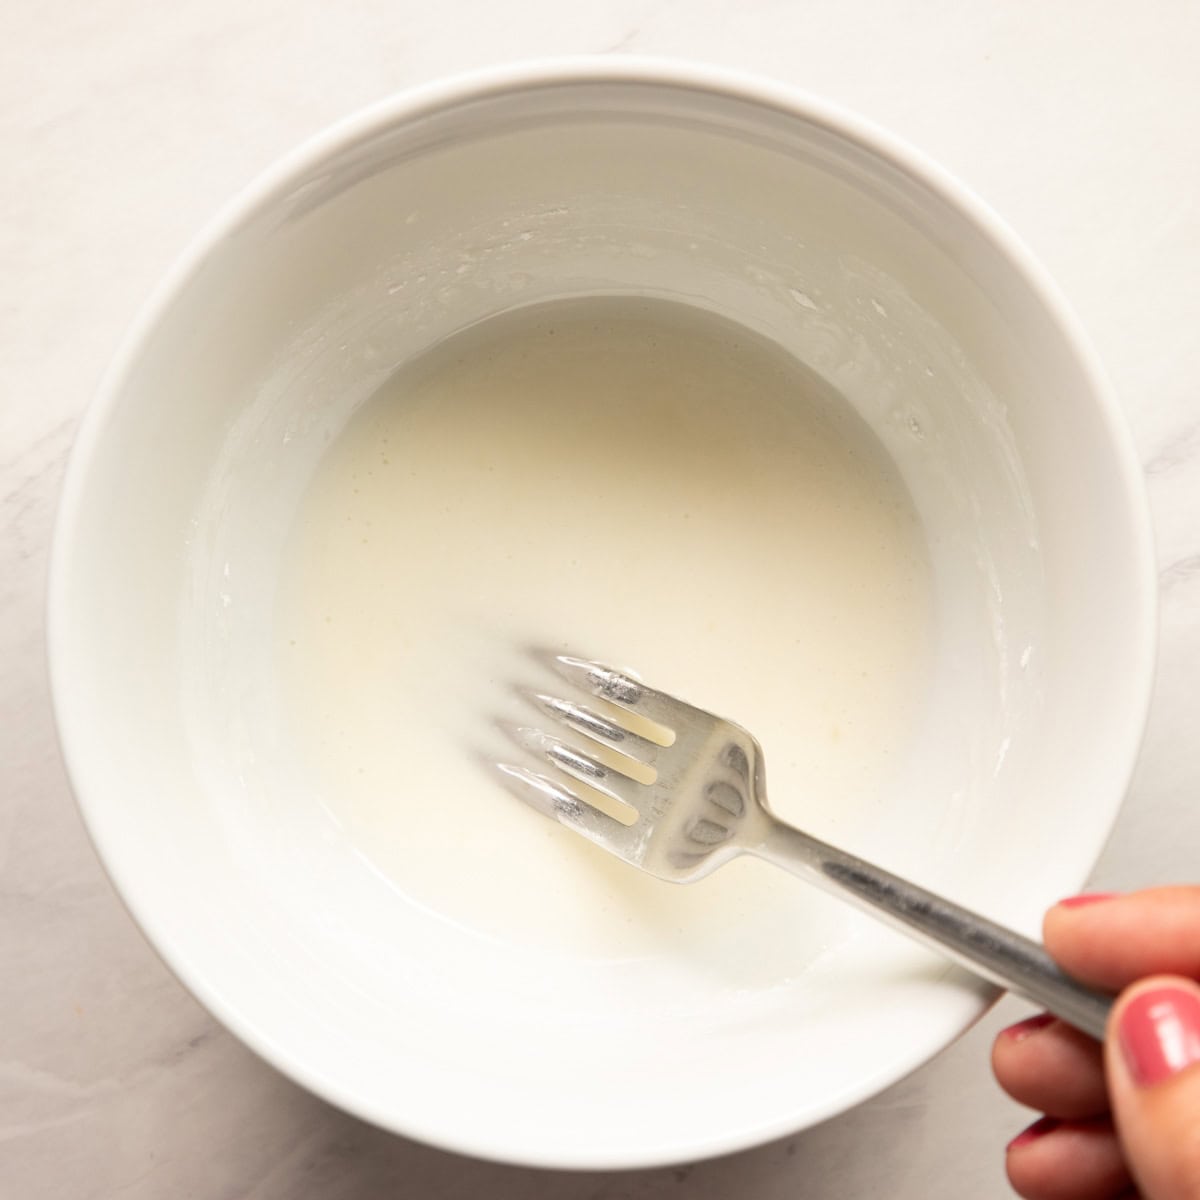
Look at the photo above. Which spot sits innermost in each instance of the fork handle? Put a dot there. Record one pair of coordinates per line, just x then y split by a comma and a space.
992, 951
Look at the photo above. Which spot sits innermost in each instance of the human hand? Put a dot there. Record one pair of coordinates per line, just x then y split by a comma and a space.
1122, 1120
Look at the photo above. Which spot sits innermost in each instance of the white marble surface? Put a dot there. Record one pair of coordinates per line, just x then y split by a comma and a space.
124, 123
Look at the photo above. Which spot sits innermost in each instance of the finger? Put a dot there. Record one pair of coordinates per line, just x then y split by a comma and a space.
1072, 1160
1047, 1065
1110, 941
1153, 1061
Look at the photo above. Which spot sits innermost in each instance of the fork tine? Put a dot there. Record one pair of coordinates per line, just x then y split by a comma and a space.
552, 799
625, 692
583, 767
591, 724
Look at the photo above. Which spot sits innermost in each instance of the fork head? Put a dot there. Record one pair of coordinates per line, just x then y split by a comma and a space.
663, 785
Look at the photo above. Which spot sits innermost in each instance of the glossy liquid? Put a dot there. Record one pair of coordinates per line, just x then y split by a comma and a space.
625, 480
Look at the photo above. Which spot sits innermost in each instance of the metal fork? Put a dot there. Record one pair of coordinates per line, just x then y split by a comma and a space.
701, 801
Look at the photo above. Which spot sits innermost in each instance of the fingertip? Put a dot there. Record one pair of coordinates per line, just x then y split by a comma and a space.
1153, 1059
1026, 1028
1156, 1027
1110, 939
1005, 1045
1066, 1160
1048, 1066
1068, 911
1031, 1134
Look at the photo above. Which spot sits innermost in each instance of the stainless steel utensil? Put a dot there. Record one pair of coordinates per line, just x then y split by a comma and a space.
691, 786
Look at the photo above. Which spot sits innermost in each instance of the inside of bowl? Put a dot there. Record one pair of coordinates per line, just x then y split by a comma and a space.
381, 248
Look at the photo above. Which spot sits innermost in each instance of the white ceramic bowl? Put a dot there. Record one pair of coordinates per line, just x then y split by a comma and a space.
480, 194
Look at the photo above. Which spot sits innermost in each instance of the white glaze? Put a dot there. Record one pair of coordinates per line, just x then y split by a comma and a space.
642, 483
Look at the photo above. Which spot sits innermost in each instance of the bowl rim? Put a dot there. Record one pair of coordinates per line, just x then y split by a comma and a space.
480, 85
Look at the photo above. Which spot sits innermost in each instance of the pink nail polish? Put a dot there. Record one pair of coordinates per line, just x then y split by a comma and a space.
1023, 1029
1040, 1127
1085, 898
1159, 1034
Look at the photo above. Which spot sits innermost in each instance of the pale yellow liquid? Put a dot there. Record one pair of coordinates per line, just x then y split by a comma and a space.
623, 480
